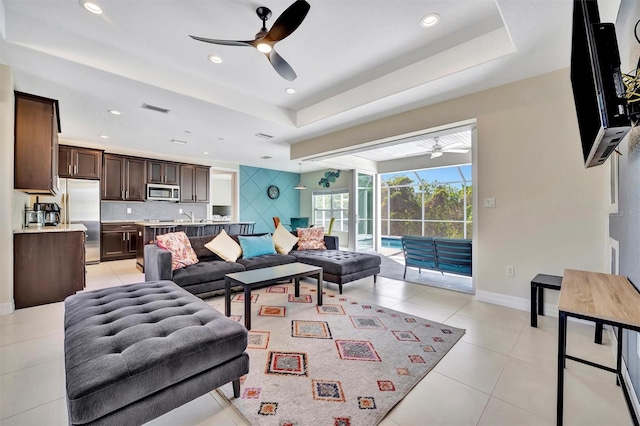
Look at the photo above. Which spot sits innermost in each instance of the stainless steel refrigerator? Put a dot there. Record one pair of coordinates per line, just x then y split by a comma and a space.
79, 200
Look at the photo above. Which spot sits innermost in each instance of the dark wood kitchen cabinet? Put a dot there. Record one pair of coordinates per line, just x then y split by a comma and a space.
37, 124
123, 178
163, 172
194, 184
79, 163
47, 266
118, 241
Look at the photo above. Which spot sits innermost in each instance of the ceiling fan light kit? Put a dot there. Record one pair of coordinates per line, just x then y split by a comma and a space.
91, 6
437, 150
265, 41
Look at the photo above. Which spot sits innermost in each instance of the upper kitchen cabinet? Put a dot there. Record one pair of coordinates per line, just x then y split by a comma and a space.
163, 172
123, 178
194, 184
79, 163
37, 124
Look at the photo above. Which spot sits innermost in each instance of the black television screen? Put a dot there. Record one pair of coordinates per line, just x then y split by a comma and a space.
598, 91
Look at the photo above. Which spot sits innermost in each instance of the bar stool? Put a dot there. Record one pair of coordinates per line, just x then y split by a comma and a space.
193, 230
246, 228
161, 229
551, 282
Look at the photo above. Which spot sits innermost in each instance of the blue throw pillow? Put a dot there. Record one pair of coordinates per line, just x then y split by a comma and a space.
256, 246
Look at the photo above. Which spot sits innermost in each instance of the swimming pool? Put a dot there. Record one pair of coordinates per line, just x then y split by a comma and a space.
391, 242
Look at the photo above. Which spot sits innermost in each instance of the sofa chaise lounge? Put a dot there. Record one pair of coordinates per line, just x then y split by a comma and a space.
207, 276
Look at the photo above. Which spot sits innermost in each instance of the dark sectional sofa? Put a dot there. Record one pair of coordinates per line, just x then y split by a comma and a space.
207, 276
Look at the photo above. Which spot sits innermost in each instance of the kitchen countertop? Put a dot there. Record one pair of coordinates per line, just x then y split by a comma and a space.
185, 223
120, 221
74, 227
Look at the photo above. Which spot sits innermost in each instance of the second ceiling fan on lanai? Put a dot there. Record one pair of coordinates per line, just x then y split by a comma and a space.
265, 40
437, 150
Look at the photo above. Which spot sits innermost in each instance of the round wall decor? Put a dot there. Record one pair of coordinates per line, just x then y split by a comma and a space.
273, 192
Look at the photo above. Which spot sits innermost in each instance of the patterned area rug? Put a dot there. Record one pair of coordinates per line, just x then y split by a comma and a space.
344, 363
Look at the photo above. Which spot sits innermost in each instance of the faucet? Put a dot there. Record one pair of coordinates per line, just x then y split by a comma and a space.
190, 216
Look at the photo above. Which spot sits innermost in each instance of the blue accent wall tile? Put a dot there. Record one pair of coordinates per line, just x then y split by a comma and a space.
256, 206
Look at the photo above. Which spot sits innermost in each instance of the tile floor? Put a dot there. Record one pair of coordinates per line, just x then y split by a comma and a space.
502, 372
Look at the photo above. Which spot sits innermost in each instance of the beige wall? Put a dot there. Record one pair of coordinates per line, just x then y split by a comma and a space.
550, 211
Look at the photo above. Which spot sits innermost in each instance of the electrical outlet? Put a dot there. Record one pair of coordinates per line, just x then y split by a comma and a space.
128, 210
179, 211
510, 271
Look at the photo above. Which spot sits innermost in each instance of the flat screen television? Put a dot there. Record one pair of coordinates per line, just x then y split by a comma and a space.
598, 91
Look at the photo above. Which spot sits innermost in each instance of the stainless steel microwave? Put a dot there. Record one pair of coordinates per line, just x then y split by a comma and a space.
159, 192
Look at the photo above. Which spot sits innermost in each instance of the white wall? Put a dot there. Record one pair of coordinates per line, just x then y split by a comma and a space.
11, 202
310, 180
550, 211
221, 189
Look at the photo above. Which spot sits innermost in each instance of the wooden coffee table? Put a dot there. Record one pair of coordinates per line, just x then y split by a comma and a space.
266, 276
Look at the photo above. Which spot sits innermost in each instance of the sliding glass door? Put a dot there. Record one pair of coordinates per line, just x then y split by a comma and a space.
364, 206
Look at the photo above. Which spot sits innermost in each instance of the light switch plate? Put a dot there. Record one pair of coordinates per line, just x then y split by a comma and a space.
128, 210
489, 202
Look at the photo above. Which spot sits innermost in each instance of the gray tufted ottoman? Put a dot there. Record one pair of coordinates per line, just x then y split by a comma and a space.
339, 266
135, 352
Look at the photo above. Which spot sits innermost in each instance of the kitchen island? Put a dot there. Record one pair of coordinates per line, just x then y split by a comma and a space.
48, 264
149, 229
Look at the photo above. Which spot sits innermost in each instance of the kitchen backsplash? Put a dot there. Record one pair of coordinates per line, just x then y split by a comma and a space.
117, 210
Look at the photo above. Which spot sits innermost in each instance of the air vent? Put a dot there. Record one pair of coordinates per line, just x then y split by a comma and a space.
155, 108
266, 157
179, 142
264, 136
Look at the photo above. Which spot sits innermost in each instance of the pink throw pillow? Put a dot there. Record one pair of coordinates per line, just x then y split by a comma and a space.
311, 239
178, 244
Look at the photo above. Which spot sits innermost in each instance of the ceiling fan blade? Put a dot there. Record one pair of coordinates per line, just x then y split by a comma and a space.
456, 151
288, 22
223, 42
281, 66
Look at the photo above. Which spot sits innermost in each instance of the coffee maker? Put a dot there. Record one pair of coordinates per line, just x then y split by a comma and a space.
51, 214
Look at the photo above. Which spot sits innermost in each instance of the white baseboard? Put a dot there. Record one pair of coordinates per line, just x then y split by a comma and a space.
522, 304
7, 308
504, 300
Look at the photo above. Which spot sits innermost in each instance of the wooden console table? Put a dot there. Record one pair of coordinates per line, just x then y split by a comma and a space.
592, 296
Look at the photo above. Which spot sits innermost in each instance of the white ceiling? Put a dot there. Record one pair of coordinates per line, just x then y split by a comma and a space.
356, 61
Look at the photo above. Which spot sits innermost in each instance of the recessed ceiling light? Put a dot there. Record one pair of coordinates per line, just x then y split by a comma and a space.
290, 90
91, 6
104, 136
179, 142
114, 112
205, 152
215, 59
429, 20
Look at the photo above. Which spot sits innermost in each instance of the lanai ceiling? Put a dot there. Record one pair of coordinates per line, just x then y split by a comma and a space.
356, 61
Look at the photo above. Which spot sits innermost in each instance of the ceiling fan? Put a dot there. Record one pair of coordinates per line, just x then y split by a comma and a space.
265, 40
437, 150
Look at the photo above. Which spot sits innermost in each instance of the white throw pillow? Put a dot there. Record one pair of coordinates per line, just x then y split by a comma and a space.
225, 247
283, 240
